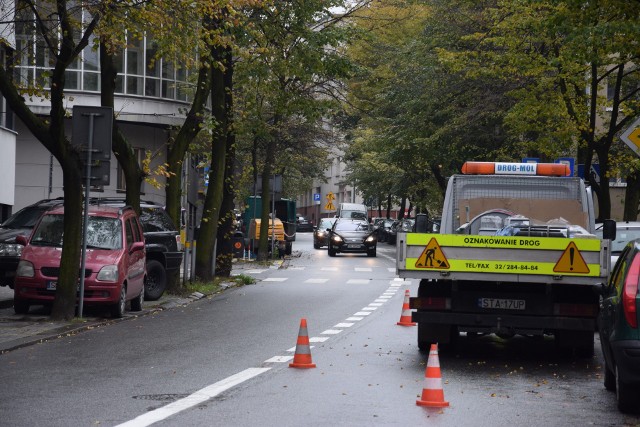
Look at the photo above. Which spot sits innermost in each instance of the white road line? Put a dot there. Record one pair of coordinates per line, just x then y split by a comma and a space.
279, 359
316, 280
354, 319
391, 270
318, 339
381, 300
363, 269
331, 332
376, 304
329, 269
362, 313
369, 308
343, 325
194, 399
255, 271
357, 281
275, 279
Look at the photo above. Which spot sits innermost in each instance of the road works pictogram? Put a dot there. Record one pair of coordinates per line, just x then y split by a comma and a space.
432, 257
571, 261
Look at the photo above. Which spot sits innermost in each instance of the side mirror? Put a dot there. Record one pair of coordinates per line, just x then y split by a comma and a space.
609, 229
22, 240
137, 246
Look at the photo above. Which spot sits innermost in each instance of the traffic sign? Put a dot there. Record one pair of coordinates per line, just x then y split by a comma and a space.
330, 196
631, 136
329, 206
316, 198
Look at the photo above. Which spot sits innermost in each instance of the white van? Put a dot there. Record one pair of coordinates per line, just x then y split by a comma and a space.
352, 210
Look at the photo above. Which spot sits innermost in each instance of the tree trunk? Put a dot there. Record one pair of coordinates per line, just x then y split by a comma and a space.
263, 243
205, 251
632, 197
226, 228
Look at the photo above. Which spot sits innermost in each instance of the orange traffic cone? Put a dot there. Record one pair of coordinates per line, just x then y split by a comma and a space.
405, 317
302, 357
432, 393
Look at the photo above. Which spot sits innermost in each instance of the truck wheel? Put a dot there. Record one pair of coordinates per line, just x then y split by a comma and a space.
156, 280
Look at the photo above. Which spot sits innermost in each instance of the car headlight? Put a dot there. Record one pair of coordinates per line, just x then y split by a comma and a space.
108, 273
321, 233
25, 269
370, 239
336, 238
10, 249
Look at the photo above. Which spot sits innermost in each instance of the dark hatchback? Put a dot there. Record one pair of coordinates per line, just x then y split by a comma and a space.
20, 223
320, 233
349, 235
618, 323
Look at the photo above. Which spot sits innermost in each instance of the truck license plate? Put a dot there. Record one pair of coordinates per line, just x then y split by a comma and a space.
505, 304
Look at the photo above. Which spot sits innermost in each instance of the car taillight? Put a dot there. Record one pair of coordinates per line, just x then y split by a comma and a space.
630, 292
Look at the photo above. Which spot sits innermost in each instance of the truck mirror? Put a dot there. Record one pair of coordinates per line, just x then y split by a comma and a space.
609, 229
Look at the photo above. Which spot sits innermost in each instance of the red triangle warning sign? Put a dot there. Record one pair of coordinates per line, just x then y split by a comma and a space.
433, 257
571, 261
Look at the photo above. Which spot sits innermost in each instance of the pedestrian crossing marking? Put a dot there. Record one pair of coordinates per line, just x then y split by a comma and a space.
433, 257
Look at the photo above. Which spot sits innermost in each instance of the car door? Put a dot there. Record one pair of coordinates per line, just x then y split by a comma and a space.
611, 299
136, 259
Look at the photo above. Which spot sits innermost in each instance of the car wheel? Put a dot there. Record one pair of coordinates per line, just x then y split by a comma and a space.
156, 281
332, 252
609, 378
117, 310
371, 252
316, 246
624, 394
136, 304
20, 306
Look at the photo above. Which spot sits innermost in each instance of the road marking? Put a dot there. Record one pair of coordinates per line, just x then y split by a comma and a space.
194, 399
391, 270
318, 339
354, 319
316, 280
255, 271
329, 269
381, 300
279, 359
357, 281
331, 332
362, 313
275, 279
363, 269
376, 304
343, 325
369, 308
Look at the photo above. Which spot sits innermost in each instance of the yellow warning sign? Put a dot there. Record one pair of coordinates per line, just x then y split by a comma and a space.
571, 261
432, 257
330, 207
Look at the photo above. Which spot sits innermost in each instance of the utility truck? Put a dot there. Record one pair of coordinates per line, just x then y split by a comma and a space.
516, 254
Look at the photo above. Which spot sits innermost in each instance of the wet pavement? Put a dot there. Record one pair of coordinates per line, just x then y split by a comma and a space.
20, 330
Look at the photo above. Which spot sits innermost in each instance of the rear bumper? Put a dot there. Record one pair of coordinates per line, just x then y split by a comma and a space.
499, 321
173, 260
627, 358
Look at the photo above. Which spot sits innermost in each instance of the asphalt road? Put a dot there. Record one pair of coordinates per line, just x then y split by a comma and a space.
224, 361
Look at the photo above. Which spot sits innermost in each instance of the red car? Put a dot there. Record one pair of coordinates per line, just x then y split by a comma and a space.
114, 267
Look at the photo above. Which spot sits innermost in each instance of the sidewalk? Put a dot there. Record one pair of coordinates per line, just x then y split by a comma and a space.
18, 330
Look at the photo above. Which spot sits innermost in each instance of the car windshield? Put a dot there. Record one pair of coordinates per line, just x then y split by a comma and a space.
102, 233
155, 220
25, 218
351, 226
325, 223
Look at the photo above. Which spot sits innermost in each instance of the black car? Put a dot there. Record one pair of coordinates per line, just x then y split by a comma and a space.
403, 225
162, 243
303, 224
383, 229
352, 235
320, 233
20, 223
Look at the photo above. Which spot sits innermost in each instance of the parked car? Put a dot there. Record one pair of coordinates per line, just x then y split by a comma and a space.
619, 329
303, 224
20, 223
625, 232
320, 233
162, 245
352, 235
404, 225
114, 267
383, 229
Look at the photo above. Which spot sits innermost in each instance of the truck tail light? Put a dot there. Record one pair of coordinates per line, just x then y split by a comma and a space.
630, 293
575, 310
430, 303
